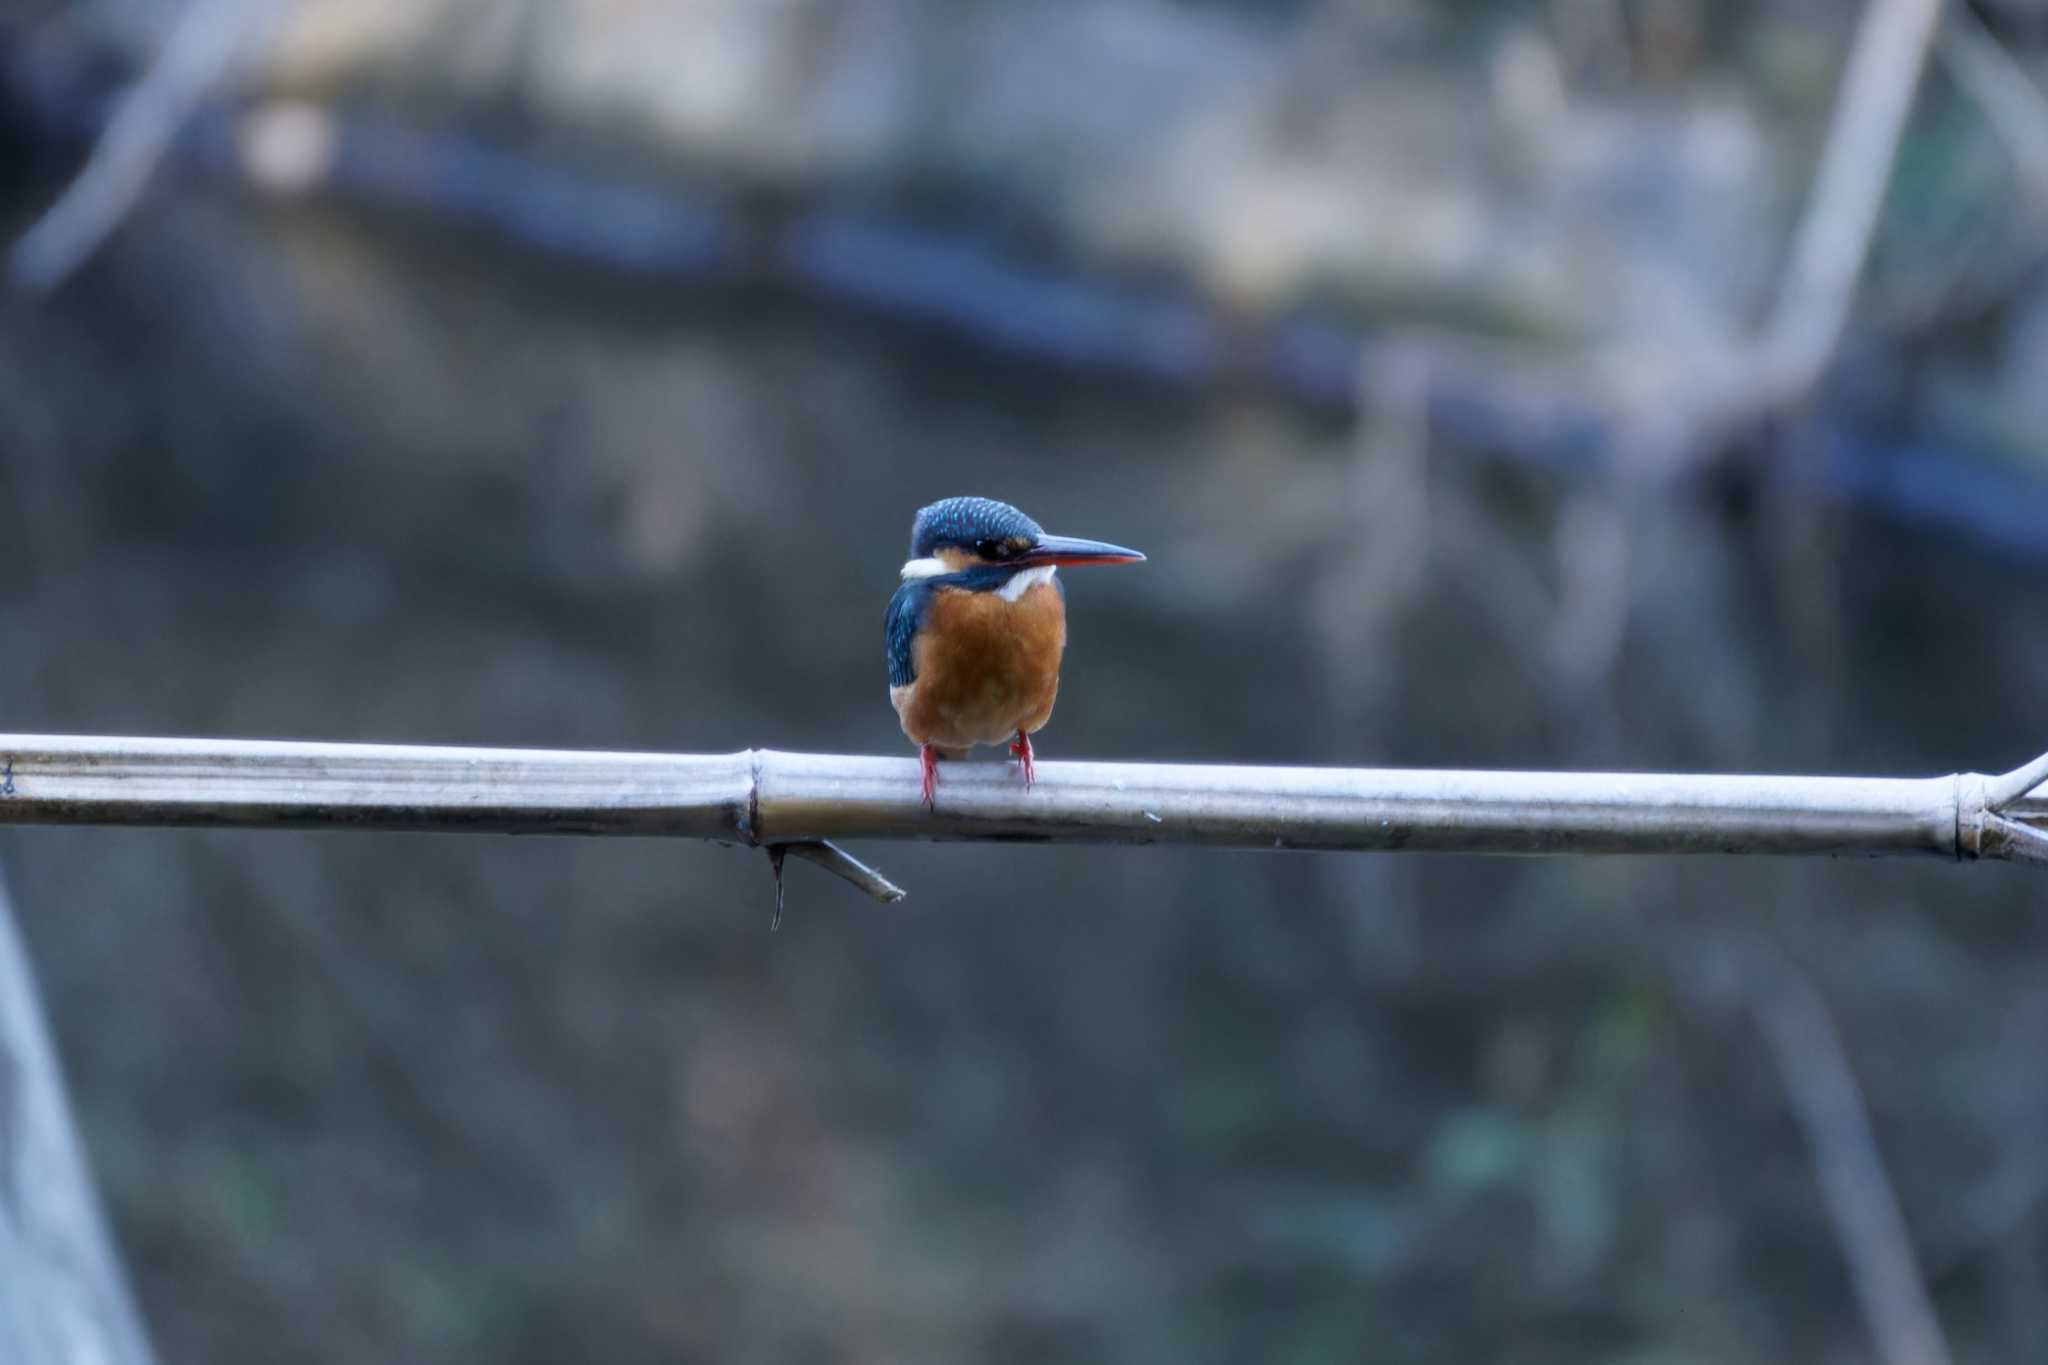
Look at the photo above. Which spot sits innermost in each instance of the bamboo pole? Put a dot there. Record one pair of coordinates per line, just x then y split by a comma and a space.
799, 802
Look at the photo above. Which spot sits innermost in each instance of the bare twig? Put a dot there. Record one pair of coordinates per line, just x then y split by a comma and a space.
840, 863
835, 860
2004, 790
1999, 819
200, 52
1861, 1203
2019, 842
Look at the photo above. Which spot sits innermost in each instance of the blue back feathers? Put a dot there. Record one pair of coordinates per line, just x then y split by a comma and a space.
906, 614
963, 521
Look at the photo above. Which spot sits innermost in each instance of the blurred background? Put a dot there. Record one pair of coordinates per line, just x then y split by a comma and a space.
567, 374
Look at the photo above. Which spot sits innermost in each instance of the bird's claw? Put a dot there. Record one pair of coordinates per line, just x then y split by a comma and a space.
928, 768
1020, 749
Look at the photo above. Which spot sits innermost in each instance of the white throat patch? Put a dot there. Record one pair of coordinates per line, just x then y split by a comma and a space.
1022, 583
1012, 591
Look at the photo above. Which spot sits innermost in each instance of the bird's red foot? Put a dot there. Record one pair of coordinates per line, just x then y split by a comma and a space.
928, 762
1020, 749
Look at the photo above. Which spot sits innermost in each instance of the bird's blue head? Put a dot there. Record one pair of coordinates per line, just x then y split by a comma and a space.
959, 534
982, 527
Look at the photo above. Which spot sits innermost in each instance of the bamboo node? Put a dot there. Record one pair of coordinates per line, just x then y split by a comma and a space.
1971, 809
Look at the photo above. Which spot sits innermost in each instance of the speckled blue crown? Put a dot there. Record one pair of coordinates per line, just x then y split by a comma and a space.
962, 521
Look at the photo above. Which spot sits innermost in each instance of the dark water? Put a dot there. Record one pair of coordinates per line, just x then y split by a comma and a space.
370, 1097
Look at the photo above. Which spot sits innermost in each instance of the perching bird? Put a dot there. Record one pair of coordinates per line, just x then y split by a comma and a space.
976, 630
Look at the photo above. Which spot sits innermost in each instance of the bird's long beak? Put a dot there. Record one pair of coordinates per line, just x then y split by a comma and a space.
1070, 550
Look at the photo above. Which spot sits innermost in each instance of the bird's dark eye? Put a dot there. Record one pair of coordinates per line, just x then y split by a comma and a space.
992, 549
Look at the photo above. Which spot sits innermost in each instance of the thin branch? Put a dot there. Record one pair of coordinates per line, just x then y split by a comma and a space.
1680, 406
2000, 246
764, 798
1835, 235
2013, 105
840, 863
2017, 842
200, 52
2001, 792
1861, 1203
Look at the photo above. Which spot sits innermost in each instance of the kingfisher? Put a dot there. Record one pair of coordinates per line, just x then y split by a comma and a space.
976, 630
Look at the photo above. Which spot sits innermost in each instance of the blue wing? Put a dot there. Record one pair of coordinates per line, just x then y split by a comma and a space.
906, 614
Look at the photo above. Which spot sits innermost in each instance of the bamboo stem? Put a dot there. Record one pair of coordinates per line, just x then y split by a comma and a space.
765, 798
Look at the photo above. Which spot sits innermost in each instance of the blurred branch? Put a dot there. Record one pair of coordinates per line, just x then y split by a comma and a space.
2013, 105
1835, 234
1366, 582
63, 1296
1991, 1215
1673, 409
194, 61
1861, 1203
1496, 398
764, 798
1590, 625
1961, 281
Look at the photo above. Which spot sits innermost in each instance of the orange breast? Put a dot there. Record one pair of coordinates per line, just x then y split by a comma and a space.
986, 668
